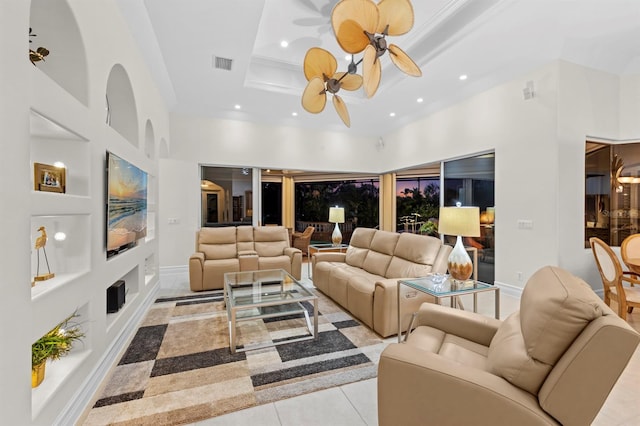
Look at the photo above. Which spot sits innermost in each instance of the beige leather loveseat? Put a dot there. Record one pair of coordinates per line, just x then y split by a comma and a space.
552, 362
240, 248
364, 279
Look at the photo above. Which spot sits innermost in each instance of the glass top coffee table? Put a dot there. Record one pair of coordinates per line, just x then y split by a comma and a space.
266, 294
441, 286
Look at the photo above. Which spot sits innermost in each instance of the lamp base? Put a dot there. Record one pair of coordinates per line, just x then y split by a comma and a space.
460, 265
336, 237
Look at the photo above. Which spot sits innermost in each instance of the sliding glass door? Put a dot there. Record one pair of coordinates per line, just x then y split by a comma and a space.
471, 181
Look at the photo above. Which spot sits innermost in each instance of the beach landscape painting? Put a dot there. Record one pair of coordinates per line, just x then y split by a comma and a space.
126, 204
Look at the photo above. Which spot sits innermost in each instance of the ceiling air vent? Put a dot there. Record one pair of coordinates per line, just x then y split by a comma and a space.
222, 63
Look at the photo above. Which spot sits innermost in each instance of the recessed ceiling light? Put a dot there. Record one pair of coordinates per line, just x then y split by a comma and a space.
284, 43
347, 58
392, 114
419, 100
463, 77
237, 106
295, 114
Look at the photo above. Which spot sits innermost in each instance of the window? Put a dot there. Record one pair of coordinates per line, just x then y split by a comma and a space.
360, 199
471, 181
612, 191
225, 196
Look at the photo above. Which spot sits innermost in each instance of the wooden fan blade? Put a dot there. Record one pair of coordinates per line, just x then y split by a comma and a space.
350, 81
314, 96
351, 37
363, 12
403, 61
349, 19
398, 14
341, 109
317, 62
371, 71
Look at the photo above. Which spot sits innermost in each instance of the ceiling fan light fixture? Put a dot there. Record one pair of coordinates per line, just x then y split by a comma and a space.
360, 26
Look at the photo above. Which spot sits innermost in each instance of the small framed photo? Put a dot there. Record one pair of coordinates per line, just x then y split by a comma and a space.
49, 178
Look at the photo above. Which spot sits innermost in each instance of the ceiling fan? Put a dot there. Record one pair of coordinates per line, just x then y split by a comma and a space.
359, 26
362, 25
320, 70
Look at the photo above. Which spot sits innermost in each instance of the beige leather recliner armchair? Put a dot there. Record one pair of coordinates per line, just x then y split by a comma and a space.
552, 362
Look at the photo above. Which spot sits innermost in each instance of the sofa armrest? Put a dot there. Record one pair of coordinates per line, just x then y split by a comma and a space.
291, 251
415, 386
329, 256
385, 305
296, 261
469, 325
196, 274
242, 253
441, 264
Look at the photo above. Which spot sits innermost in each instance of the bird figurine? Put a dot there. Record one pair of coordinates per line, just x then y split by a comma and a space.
41, 241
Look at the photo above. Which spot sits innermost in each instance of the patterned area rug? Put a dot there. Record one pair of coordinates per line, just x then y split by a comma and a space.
178, 368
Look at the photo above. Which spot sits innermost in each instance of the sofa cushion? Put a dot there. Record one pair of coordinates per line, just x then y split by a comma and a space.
270, 240
275, 262
554, 309
244, 237
214, 270
416, 248
508, 357
359, 246
414, 256
381, 250
402, 268
218, 243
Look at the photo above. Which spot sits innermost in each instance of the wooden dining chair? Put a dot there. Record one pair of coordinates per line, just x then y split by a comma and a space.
630, 252
613, 278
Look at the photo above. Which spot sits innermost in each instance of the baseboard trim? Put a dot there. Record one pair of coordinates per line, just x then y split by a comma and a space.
83, 397
509, 290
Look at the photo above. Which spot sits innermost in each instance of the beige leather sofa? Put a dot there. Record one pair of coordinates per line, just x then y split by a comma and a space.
552, 362
364, 279
240, 248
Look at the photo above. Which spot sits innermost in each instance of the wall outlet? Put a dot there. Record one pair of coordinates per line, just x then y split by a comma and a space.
525, 224
519, 275
173, 221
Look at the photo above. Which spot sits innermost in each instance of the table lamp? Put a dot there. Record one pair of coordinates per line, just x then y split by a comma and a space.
336, 215
461, 222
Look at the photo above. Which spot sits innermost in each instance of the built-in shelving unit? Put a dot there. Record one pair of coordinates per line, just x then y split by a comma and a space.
64, 127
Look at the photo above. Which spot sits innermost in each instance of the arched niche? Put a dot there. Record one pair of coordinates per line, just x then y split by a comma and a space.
56, 29
122, 115
149, 140
164, 149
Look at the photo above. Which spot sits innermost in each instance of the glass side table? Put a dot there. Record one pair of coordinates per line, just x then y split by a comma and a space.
442, 286
315, 248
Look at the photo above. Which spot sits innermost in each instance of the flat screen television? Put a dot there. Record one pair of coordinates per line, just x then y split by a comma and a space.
126, 204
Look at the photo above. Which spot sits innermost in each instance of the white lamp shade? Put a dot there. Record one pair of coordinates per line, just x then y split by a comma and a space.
459, 221
336, 214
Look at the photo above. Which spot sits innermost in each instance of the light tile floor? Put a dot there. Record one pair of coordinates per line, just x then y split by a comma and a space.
356, 403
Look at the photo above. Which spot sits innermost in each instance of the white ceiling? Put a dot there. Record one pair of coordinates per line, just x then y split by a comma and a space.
491, 41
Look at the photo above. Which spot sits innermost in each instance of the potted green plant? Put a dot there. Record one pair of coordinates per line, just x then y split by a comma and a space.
430, 227
53, 345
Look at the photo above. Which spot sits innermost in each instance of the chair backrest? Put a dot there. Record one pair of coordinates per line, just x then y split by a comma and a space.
630, 247
270, 240
608, 266
308, 232
217, 243
564, 345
